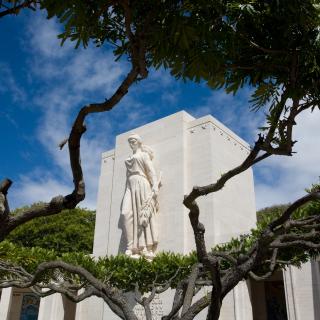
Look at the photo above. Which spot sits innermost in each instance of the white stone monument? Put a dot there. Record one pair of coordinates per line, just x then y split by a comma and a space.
187, 152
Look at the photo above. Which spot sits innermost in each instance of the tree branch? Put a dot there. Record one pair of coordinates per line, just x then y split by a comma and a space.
297, 204
197, 307
16, 8
190, 289
57, 204
5, 185
211, 263
273, 263
264, 143
22, 279
4, 205
177, 300
218, 185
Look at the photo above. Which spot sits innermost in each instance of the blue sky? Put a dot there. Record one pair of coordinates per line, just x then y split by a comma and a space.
43, 85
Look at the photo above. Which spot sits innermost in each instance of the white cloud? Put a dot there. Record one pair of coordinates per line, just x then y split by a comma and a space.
68, 80
42, 35
169, 97
10, 85
160, 78
232, 111
37, 187
283, 179
71, 78
93, 70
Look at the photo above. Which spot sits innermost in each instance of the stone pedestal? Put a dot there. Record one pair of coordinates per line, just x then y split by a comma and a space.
188, 152
302, 288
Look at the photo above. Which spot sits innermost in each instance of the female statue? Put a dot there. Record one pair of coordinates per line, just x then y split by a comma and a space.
139, 204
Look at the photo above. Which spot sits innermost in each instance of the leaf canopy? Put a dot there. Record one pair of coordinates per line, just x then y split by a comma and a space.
70, 231
228, 44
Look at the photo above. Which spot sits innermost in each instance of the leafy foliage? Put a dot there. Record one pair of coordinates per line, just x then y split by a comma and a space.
120, 271
124, 272
226, 43
266, 215
8, 7
69, 231
288, 256
271, 45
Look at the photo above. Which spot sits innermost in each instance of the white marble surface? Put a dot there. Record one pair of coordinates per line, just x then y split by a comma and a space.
191, 152
302, 289
5, 303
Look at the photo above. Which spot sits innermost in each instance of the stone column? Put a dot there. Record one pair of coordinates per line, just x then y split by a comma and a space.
237, 305
302, 291
51, 308
243, 309
91, 308
5, 303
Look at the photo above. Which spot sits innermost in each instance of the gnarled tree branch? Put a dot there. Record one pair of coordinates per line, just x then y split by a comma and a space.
14, 7
70, 201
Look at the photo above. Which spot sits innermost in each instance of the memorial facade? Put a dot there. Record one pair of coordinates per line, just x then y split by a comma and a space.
139, 212
186, 152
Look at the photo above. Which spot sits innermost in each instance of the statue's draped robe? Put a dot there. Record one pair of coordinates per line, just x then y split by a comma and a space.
140, 176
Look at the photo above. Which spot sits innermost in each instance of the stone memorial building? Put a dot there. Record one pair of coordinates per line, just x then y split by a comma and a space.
143, 181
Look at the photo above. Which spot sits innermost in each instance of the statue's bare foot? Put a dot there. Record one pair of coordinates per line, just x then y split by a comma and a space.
149, 255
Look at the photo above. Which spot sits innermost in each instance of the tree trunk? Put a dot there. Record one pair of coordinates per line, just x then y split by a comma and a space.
214, 308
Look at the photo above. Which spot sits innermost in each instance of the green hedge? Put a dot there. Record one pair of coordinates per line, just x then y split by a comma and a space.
68, 231
123, 272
